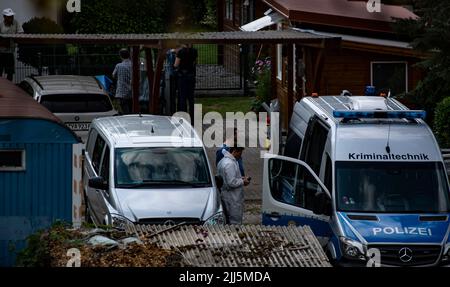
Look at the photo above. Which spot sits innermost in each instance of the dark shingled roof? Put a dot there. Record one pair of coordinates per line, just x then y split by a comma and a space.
15, 103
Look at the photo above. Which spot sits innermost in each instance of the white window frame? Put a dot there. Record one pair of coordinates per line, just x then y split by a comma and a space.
229, 10
280, 56
391, 62
14, 168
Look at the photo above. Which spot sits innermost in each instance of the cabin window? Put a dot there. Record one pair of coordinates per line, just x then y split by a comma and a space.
12, 160
390, 76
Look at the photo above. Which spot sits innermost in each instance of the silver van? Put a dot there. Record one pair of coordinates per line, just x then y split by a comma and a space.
76, 100
148, 170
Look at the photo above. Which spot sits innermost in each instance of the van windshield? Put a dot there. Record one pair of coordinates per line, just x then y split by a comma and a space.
162, 166
77, 103
392, 187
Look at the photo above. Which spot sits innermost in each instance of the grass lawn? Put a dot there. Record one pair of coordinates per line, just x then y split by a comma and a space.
225, 104
207, 54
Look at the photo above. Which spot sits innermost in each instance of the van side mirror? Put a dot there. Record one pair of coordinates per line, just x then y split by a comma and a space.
98, 183
322, 204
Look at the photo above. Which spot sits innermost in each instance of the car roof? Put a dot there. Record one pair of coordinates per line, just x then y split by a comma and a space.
329, 104
67, 84
147, 130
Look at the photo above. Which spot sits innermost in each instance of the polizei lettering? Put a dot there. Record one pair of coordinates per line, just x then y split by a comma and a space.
391, 156
402, 231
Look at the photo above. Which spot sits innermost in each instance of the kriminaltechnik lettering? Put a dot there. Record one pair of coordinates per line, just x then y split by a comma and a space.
374, 156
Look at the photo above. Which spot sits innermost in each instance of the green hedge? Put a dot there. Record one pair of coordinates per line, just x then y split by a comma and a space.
442, 123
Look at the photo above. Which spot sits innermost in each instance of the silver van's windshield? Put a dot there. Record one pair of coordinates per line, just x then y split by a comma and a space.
162, 166
391, 187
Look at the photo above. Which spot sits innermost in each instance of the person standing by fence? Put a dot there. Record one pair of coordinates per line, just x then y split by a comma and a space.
7, 60
185, 63
122, 74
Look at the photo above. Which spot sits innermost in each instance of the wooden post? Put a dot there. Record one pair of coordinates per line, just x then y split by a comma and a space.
150, 74
157, 80
135, 79
290, 79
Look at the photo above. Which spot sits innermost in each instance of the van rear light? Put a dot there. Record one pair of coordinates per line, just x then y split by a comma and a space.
268, 120
315, 95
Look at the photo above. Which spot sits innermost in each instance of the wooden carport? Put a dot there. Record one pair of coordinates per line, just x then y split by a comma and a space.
163, 42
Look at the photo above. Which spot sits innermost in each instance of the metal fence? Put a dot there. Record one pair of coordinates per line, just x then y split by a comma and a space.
57, 60
218, 68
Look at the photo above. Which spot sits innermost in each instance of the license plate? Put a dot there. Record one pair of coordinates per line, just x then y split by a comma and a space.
79, 126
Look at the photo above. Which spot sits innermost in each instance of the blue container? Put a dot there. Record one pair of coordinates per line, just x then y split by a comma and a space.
36, 170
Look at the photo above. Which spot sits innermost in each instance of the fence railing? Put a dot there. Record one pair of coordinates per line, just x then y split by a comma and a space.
219, 67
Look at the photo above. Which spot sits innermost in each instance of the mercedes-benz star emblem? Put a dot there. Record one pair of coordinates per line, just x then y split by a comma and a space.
77, 119
405, 254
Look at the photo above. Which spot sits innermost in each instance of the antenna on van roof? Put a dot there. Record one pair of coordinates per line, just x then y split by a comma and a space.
388, 148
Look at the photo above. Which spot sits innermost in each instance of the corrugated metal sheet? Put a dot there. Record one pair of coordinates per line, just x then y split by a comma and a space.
236, 37
33, 199
239, 246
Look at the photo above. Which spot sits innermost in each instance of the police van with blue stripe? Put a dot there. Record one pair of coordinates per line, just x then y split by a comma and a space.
367, 175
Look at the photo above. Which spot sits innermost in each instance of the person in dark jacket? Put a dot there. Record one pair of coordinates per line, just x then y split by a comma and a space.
185, 63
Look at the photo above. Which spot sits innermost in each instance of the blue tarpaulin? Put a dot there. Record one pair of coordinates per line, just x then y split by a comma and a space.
105, 82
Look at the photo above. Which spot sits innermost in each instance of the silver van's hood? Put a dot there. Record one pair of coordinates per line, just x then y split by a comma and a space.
138, 204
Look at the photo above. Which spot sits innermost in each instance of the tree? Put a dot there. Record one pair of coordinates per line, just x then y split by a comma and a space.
431, 34
121, 17
44, 55
442, 123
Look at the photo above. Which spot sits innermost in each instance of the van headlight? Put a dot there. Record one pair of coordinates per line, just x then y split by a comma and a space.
119, 221
216, 219
352, 249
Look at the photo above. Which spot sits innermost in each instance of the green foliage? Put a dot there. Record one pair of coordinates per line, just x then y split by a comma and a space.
121, 17
37, 252
430, 33
29, 54
442, 123
263, 89
262, 74
41, 26
210, 18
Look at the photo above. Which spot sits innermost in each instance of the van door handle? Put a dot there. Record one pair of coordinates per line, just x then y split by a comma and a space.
275, 216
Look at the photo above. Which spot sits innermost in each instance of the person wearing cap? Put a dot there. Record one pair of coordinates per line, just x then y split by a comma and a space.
122, 74
8, 26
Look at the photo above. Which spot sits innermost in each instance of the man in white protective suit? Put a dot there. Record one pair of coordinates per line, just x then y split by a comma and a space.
232, 190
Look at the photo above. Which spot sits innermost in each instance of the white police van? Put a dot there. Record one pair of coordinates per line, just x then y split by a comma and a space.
367, 175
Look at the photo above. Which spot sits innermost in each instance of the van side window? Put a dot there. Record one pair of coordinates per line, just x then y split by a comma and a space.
291, 183
97, 153
315, 144
91, 141
293, 144
104, 170
328, 174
